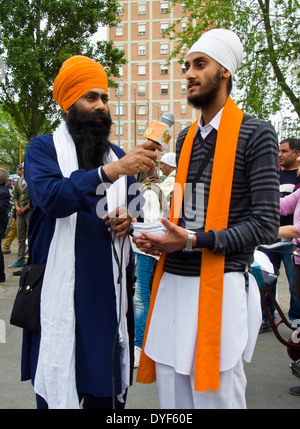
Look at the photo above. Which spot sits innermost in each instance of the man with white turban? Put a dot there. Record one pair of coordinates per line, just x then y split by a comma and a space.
84, 350
205, 314
168, 168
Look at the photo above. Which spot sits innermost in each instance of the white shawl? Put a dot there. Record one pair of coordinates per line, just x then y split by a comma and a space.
55, 379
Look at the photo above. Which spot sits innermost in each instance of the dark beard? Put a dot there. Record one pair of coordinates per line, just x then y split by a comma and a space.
90, 138
206, 99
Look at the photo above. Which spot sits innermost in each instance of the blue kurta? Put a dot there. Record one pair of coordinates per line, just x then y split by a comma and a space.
54, 196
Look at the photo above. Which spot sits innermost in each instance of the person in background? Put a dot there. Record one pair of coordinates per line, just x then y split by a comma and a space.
289, 151
168, 168
12, 233
290, 205
155, 206
21, 201
4, 203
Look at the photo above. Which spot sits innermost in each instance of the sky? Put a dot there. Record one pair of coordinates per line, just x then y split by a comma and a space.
101, 34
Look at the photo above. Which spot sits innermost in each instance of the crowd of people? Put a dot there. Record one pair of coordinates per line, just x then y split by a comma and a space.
181, 307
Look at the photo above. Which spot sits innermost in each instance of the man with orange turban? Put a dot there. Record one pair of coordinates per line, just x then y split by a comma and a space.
84, 348
204, 313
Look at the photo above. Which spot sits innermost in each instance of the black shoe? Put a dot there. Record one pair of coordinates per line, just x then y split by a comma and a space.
2, 279
8, 252
295, 390
17, 273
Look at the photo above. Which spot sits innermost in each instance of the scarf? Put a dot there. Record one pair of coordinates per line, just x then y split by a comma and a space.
55, 378
212, 265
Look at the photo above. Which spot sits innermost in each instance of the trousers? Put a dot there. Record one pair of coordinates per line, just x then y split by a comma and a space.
176, 391
89, 402
141, 297
22, 228
10, 236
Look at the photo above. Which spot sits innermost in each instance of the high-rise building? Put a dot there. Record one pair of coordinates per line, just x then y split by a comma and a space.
148, 87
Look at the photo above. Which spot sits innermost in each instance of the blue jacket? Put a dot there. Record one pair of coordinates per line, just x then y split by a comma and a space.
55, 196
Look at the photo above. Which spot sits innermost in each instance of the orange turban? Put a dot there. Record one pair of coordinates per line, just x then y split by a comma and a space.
78, 75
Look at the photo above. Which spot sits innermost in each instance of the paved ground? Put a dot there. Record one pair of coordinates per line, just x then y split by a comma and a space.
269, 376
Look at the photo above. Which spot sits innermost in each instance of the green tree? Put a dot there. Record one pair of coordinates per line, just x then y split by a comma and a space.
269, 77
36, 36
10, 142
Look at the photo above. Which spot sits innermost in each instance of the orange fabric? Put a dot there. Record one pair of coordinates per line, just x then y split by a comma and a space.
212, 265
78, 75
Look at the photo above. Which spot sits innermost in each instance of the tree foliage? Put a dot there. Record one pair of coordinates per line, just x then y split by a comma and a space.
269, 77
10, 139
36, 36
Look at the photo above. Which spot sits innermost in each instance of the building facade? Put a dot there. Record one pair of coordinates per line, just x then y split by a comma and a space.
147, 87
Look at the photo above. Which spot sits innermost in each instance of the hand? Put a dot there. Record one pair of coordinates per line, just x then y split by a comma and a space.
118, 221
153, 178
20, 211
174, 239
140, 159
288, 231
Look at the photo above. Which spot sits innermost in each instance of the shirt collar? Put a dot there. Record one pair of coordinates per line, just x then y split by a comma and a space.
214, 123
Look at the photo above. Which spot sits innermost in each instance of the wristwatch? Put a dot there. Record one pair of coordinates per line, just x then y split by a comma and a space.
189, 243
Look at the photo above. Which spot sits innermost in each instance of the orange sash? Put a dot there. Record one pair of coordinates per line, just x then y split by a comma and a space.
212, 265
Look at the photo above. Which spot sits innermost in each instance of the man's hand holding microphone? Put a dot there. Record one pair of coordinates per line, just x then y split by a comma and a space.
142, 158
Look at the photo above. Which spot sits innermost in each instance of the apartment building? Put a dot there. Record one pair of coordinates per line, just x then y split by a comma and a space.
147, 87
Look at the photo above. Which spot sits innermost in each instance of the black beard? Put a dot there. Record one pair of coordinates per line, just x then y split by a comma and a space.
204, 100
90, 138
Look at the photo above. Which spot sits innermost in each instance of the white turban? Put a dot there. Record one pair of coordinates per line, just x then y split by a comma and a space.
169, 158
224, 46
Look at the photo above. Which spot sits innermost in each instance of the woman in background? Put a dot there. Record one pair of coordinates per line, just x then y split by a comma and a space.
291, 205
4, 202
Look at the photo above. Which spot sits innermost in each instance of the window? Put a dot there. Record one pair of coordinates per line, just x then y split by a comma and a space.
183, 109
183, 88
141, 129
121, 70
164, 69
119, 30
183, 70
119, 90
119, 130
183, 26
141, 109
164, 7
141, 29
164, 88
141, 70
164, 108
164, 49
141, 89
142, 50
119, 110
141, 9
164, 27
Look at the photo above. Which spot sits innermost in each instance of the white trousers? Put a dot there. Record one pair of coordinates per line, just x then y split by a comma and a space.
176, 391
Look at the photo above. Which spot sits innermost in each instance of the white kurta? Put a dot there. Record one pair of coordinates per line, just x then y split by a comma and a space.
167, 185
172, 335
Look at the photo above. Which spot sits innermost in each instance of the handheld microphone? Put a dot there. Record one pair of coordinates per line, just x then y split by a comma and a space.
160, 132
